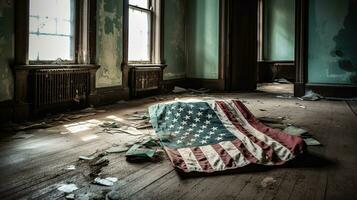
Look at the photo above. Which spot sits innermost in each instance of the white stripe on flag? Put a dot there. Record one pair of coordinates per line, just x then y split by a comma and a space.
236, 155
253, 148
213, 158
190, 159
280, 150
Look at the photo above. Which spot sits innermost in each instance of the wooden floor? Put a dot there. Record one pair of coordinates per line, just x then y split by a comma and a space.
33, 168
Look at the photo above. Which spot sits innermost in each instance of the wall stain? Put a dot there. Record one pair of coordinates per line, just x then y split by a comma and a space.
109, 42
174, 39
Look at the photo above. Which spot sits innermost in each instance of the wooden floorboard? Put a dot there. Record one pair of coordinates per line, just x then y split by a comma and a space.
33, 168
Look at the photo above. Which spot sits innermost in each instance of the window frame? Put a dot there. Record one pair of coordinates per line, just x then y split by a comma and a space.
151, 11
76, 37
84, 34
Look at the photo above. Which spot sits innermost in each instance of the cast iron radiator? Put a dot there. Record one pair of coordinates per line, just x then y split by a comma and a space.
49, 87
145, 79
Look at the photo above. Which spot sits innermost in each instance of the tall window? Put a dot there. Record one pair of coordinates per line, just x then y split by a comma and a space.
140, 31
51, 30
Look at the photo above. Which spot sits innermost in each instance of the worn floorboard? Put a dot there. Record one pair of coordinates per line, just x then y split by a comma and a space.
33, 168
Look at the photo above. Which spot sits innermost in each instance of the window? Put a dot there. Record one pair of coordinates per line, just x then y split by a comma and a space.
140, 31
52, 30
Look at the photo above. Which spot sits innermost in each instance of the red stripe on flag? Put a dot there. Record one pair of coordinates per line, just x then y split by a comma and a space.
240, 146
202, 160
268, 150
176, 159
294, 143
226, 158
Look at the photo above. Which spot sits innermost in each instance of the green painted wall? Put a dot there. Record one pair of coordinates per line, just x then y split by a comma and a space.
6, 49
202, 40
174, 39
279, 30
333, 42
109, 42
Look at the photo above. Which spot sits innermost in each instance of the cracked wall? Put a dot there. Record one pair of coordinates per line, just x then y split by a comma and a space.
109, 42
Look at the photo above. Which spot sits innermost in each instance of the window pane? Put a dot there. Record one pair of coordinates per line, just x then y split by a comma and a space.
139, 35
51, 29
140, 3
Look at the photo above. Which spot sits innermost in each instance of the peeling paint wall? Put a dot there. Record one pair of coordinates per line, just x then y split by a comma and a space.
109, 42
202, 38
332, 42
6, 49
279, 34
174, 39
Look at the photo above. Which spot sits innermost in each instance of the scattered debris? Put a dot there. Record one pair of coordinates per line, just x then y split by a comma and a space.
101, 161
142, 152
117, 149
114, 195
139, 115
310, 96
71, 167
33, 126
177, 90
122, 102
22, 135
86, 157
109, 181
282, 81
68, 188
304, 134
268, 182
300, 105
70, 196
262, 110
200, 91
285, 96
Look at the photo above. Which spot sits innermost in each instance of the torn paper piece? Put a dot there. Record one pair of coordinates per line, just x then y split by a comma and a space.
68, 188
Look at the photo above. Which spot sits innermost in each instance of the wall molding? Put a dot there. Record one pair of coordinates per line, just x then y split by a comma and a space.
333, 90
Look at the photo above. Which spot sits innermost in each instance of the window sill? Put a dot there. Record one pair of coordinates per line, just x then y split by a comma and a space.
55, 66
131, 65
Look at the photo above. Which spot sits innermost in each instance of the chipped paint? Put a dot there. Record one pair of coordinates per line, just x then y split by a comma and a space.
6, 49
109, 42
174, 39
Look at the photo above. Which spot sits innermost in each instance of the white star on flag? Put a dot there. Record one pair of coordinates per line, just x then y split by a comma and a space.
219, 138
200, 131
203, 141
190, 112
199, 113
196, 135
207, 122
203, 126
197, 119
187, 117
214, 128
209, 116
180, 109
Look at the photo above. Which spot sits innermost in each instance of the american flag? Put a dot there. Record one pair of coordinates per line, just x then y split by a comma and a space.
217, 135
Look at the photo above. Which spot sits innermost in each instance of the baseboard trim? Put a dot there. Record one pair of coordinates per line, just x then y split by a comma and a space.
333, 90
108, 95
6, 110
213, 84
